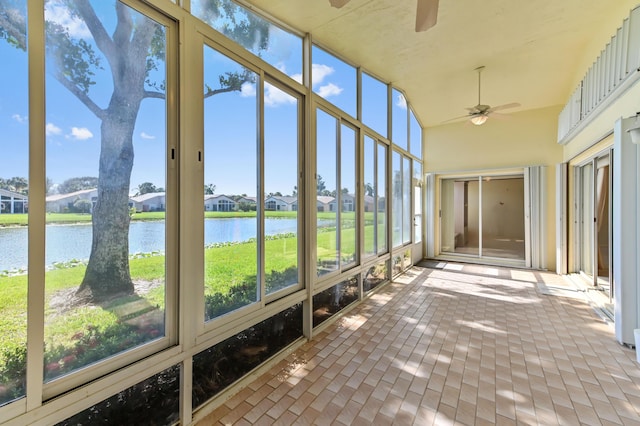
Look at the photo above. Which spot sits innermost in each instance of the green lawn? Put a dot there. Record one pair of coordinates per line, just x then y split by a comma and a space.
226, 267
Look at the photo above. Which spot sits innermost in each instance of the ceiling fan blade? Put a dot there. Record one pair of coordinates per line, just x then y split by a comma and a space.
457, 118
338, 3
505, 106
426, 14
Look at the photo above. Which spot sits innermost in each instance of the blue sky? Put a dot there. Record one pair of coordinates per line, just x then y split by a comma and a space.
73, 132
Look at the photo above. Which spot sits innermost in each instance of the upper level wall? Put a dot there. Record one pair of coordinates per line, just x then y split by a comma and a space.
521, 139
518, 140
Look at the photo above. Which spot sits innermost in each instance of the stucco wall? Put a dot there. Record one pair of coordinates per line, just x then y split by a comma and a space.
517, 140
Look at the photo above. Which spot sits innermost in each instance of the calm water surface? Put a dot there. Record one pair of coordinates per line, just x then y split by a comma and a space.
68, 242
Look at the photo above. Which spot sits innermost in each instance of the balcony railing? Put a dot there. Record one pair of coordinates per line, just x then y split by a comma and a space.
612, 72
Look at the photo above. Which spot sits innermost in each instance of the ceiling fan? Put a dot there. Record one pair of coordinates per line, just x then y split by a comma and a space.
479, 114
426, 14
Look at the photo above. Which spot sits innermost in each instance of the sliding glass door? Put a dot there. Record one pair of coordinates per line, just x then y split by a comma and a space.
483, 216
593, 224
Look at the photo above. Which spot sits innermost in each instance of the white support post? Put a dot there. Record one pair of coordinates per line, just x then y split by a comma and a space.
625, 232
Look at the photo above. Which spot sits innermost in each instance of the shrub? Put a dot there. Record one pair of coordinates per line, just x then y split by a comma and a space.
240, 295
13, 370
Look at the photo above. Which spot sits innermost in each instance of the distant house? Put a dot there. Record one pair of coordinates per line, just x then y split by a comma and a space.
281, 203
348, 203
247, 200
12, 202
64, 203
369, 203
246, 203
150, 202
219, 203
323, 203
382, 204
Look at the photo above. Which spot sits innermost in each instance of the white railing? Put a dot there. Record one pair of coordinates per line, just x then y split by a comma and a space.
619, 60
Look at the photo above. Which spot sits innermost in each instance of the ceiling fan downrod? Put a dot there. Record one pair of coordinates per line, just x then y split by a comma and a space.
479, 69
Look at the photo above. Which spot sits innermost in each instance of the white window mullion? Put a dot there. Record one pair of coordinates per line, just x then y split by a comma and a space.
37, 194
260, 202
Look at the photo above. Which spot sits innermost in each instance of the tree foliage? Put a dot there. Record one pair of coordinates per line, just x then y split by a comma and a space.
321, 186
209, 189
15, 184
147, 188
368, 189
78, 184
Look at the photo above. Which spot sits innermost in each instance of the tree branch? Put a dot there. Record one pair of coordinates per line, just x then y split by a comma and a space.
122, 33
100, 35
153, 94
210, 92
83, 97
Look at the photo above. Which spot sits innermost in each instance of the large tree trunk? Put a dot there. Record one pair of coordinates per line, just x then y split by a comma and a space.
108, 268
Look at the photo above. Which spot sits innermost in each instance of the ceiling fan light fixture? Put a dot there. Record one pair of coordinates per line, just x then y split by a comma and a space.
479, 120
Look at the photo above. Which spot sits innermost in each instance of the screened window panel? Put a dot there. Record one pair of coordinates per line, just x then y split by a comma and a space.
374, 104
229, 177
417, 202
406, 201
348, 196
14, 205
326, 182
370, 211
281, 134
399, 119
396, 198
276, 46
381, 199
334, 80
107, 170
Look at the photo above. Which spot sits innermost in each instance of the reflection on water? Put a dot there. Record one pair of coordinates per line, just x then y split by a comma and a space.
68, 242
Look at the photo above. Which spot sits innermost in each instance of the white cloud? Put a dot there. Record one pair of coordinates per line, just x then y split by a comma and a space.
145, 135
20, 118
80, 133
52, 129
329, 90
281, 44
57, 12
401, 101
274, 96
319, 72
297, 77
248, 90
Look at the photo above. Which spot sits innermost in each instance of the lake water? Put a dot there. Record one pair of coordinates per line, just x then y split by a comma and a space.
68, 242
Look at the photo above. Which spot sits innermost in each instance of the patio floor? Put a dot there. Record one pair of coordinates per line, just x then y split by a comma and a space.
453, 344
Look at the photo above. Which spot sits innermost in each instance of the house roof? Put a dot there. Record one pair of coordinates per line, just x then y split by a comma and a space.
247, 199
148, 196
8, 193
58, 197
283, 198
218, 196
325, 199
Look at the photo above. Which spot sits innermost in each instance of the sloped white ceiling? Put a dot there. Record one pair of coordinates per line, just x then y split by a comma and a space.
534, 51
